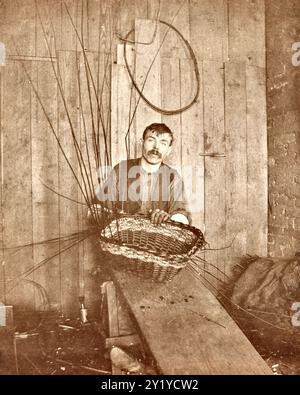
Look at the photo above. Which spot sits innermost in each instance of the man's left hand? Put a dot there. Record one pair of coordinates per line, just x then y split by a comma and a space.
159, 216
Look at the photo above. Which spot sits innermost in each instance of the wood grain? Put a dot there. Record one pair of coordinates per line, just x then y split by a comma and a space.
215, 166
236, 163
17, 188
257, 162
48, 28
147, 75
123, 105
68, 214
228, 117
186, 329
17, 27
246, 21
44, 154
208, 23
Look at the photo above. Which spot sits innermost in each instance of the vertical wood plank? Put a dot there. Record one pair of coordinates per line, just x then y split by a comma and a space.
247, 32
198, 120
17, 20
16, 197
123, 104
2, 275
257, 161
78, 15
114, 115
95, 23
48, 20
145, 55
88, 248
176, 13
153, 8
67, 185
170, 94
208, 21
99, 27
191, 122
45, 168
214, 143
141, 9
236, 158
126, 15
87, 84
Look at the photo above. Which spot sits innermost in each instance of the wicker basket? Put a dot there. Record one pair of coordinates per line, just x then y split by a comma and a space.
151, 251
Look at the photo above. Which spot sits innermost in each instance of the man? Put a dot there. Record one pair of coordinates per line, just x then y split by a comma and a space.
147, 185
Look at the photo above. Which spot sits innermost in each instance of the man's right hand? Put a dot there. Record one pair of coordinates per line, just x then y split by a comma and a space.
159, 216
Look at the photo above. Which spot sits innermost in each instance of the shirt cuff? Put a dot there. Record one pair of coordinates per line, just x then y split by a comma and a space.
180, 218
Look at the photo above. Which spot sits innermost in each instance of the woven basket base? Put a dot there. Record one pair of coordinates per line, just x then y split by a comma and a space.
144, 270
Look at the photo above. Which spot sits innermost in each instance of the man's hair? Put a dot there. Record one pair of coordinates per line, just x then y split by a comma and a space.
158, 128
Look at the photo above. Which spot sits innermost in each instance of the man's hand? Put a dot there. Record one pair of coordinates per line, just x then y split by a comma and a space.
159, 216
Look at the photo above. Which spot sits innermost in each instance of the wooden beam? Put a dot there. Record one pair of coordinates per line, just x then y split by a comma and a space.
44, 156
246, 21
186, 329
176, 13
18, 22
17, 183
257, 162
113, 321
192, 141
48, 28
236, 159
68, 210
122, 105
145, 55
170, 95
214, 143
122, 341
208, 21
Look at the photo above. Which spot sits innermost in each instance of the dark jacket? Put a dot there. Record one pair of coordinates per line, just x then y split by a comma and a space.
122, 190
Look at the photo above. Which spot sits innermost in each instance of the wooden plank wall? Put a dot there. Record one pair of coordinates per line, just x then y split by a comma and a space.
222, 136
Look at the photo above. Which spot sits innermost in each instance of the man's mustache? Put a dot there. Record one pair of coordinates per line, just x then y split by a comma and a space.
155, 152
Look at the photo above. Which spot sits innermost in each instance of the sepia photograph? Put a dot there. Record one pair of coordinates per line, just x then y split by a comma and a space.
150, 190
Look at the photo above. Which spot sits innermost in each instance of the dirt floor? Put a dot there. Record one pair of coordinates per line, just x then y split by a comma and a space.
51, 344
55, 345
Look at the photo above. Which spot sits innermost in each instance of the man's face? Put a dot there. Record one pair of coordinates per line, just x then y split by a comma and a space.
156, 147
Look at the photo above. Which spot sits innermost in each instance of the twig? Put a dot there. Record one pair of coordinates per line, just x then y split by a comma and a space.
81, 366
206, 318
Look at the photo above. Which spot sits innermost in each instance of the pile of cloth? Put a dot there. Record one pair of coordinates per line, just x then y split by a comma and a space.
265, 293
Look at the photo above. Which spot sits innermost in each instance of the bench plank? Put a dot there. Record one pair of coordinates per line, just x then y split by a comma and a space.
186, 328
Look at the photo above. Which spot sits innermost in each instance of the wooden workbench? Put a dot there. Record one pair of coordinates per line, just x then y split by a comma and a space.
186, 329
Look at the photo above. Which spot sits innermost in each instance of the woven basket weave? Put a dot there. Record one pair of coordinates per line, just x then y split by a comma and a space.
152, 251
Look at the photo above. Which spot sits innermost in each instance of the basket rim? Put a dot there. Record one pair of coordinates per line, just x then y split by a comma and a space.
198, 244
192, 228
